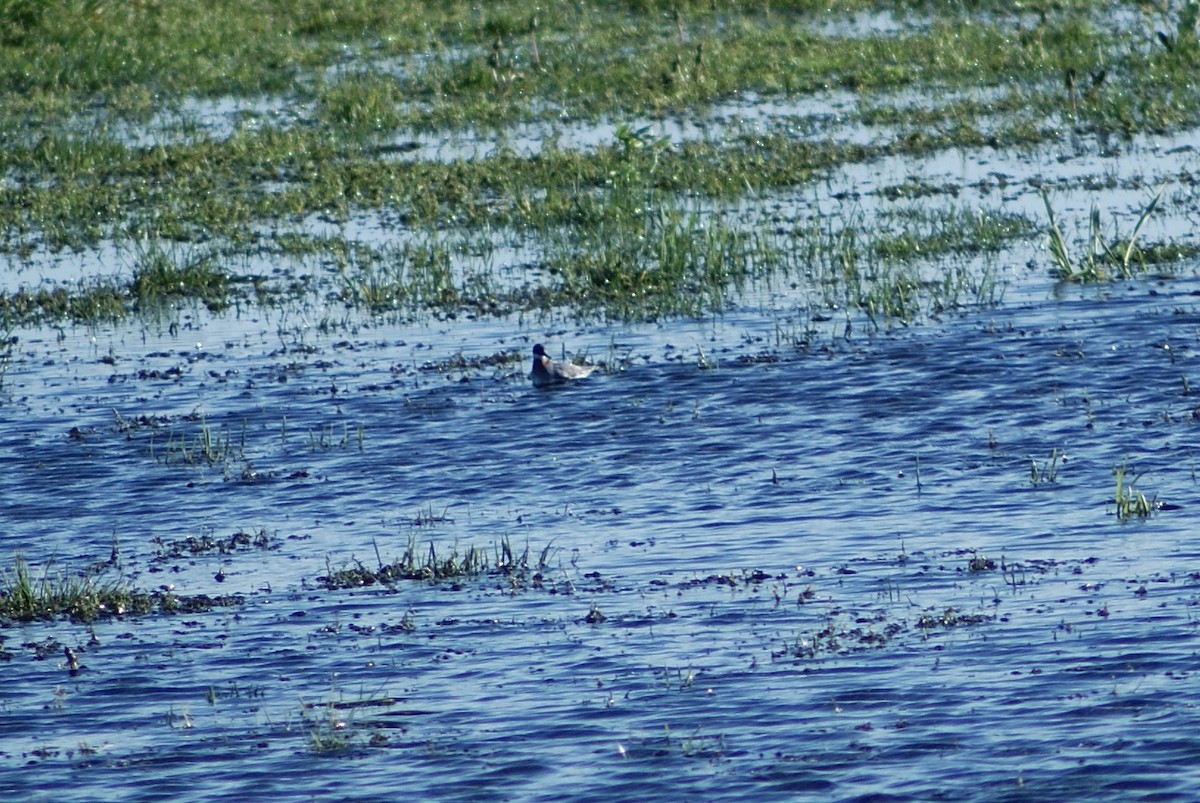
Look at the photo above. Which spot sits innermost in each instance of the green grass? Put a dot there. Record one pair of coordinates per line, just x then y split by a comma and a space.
160, 277
84, 302
456, 62
632, 228
27, 595
1101, 260
1128, 501
430, 564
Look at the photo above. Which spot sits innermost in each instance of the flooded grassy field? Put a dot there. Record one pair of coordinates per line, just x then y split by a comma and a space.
882, 487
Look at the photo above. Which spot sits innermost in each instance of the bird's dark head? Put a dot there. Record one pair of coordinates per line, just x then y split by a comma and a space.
538, 351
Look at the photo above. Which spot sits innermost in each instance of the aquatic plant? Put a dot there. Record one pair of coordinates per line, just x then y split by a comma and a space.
83, 597
667, 263
361, 102
924, 233
206, 543
86, 301
160, 276
207, 445
1130, 502
440, 69
1045, 472
1101, 261
333, 725
949, 618
980, 563
824, 640
89, 595
433, 565
7, 343
330, 730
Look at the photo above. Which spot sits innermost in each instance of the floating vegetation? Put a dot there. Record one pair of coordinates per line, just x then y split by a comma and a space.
981, 563
846, 633
744, 578
206, 543
950, 617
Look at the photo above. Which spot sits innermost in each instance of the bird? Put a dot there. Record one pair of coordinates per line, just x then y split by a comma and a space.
548, 372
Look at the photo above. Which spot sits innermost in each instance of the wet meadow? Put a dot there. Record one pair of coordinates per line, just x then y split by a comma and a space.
882, 488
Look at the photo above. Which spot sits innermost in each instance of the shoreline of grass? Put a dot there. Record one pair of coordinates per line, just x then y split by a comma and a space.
630, 229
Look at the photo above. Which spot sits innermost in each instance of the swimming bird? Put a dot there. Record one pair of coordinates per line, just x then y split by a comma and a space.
547, 372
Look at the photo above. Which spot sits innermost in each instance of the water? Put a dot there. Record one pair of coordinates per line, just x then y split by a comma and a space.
881, 565
769, 578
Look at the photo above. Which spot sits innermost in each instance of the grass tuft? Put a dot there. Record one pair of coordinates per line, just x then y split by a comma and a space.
1101, 261
1129, 501
26, 597
518, 567
86, 597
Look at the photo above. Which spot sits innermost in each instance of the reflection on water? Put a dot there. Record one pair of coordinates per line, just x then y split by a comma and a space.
779, 572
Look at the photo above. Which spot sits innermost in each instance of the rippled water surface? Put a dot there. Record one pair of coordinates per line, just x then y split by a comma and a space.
767, 556
775, 572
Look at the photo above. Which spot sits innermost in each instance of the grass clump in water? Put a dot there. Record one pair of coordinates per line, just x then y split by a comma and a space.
1128, 501
160, 278
430, 565
333, 726
87, 302
361, 103
922, 233
26, 597
88, 596
671, 264
207, 446
1101, 262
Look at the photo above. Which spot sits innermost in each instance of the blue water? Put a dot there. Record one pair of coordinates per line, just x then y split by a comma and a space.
761, 578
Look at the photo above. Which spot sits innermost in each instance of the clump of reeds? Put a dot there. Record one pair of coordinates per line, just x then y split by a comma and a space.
25, 596
1128, 500
1101, 261
1045, 472
208, 445
434, 565
85, 597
